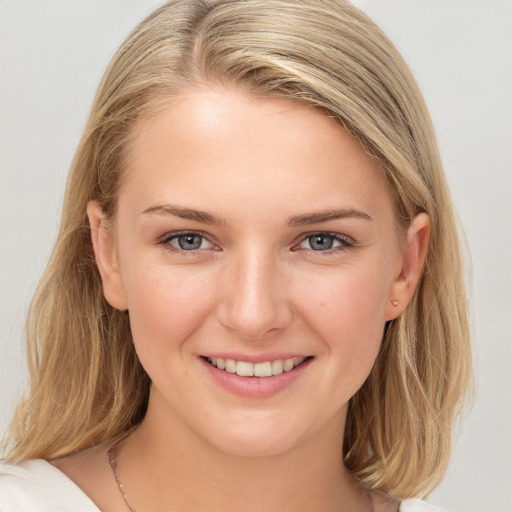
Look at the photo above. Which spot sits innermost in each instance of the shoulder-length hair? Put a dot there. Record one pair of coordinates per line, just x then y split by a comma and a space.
87, 383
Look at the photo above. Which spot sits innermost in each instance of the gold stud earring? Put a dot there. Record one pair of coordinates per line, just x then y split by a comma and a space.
394, 302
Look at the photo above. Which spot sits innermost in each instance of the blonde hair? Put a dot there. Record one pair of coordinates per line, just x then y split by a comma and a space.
87, 383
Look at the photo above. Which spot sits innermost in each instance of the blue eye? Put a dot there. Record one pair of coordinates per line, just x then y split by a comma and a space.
187, 242
324, 242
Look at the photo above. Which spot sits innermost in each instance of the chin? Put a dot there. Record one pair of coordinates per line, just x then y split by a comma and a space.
258, 435
254, 445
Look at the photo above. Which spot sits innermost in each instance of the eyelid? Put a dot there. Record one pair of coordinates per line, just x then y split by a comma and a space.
165, 241
347, 241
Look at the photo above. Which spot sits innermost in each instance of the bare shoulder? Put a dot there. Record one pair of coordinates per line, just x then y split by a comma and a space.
90, 470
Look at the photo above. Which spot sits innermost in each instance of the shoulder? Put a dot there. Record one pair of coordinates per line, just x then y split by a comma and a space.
413, 505
37, 486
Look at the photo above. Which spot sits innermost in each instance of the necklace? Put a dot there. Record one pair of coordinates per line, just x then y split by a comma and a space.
112, 461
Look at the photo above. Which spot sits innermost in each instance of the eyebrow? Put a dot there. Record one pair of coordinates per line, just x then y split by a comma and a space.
295, 221
327, 215
186, 213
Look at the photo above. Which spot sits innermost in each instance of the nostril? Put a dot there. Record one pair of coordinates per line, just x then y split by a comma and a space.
254, 323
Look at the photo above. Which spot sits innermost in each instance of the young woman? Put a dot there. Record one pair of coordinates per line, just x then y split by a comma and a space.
255, 301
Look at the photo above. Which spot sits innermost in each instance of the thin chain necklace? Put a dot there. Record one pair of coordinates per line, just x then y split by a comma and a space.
112, 460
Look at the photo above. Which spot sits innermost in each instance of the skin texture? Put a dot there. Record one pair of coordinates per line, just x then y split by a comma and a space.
266, 171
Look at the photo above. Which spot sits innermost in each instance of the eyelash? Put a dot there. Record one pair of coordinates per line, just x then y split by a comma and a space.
166, 242
344, 241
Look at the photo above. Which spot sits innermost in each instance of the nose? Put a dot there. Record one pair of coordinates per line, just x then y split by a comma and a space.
253, 296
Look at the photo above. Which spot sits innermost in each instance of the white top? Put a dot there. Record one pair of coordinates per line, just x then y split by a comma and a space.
37, 486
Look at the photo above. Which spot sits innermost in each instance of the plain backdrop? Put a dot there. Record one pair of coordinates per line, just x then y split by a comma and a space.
52, 54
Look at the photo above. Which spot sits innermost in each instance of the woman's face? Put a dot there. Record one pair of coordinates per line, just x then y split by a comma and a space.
253, 236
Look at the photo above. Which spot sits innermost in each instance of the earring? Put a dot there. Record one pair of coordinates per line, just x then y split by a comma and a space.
394, 302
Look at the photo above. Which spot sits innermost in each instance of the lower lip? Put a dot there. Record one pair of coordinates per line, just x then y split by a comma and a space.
255, 387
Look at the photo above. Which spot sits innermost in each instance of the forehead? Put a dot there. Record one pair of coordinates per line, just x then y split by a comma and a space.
253, 149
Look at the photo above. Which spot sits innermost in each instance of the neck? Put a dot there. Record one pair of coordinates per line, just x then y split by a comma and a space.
165, 465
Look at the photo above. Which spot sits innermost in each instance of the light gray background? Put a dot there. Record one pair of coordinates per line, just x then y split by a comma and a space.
52, 54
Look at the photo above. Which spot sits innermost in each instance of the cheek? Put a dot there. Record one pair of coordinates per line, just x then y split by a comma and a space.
165, 305
350, 299
347, 311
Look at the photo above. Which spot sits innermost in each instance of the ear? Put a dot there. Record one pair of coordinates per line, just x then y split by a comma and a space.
414, 254
105, 256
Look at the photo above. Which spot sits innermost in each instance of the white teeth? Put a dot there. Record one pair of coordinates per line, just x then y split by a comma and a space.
277, 367
288, 365
265, 369
298, 360
244, 369
230, 365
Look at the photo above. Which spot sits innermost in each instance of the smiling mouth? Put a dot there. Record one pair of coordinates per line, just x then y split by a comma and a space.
263, 369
